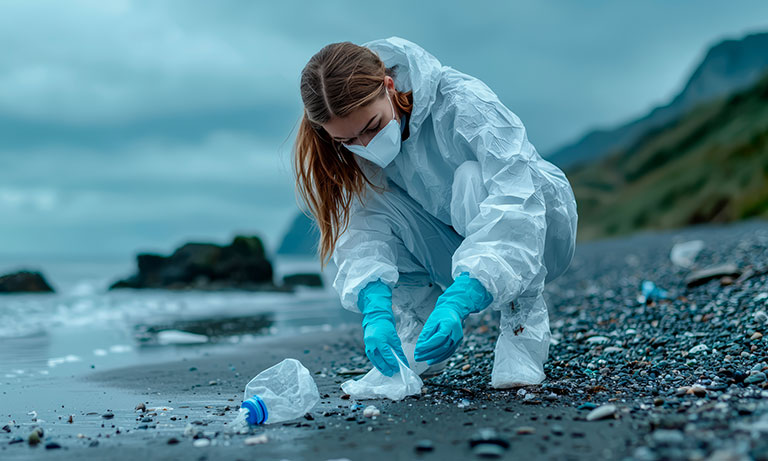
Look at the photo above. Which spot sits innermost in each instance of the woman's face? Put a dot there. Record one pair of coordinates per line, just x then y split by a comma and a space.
361, 125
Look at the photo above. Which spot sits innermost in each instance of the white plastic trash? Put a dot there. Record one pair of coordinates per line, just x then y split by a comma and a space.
375, 385
684, 254
282, 392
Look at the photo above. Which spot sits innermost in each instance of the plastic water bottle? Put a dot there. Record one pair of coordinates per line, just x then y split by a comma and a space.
282, 392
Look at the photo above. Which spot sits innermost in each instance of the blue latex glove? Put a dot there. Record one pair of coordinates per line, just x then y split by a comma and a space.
443, 330
379, 335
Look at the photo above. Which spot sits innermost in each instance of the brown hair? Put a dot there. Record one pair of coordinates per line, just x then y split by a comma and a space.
337, 80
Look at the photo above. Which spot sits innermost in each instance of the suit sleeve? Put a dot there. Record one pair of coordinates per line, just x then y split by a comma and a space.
365, 252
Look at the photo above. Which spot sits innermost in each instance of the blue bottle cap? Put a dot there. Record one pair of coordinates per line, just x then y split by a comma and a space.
257, 410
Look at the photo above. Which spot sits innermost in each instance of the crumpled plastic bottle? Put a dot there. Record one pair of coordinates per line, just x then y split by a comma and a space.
282, 392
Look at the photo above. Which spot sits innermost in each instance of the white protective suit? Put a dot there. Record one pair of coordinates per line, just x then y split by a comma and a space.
467, 192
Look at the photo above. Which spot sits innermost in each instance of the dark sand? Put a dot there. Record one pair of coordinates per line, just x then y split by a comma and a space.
648, 379
344, 434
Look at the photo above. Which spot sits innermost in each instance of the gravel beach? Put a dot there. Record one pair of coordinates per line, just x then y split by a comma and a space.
627, 378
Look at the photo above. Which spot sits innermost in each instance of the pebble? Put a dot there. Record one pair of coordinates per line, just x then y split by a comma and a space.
370, 411
587, 406
425, 445
598, 339
108, 415
668, 437
602, 412
257, 439
525, 430
760, 316
465, 367
755, 378
173, 441
15, 440
755, 336
488, 450
35, 436
6, 428
52, 446
698, 348
141, 407
201, 443
557, 429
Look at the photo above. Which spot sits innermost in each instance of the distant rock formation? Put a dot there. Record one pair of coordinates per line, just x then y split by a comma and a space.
728, 67
306, 279
24, 282
205, 266
301, 239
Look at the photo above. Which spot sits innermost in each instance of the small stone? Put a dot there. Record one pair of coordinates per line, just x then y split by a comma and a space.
587, 406
345, 397
309, 417
598, 339
488, 450
612, 349
370, 411
94, 443
201, 443
755, 336
173, 441
525, 430
557, 429
15, 440
257, 439
465, 367
52, 446
108, 415
141, 407
698, 391
212, 383
760, 316
71, 419
698, 348
425, 445
668, 437
6, 428
602, 412
34, 437
755, 378
488, 436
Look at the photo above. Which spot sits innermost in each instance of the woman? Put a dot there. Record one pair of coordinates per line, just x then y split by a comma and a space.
433, 205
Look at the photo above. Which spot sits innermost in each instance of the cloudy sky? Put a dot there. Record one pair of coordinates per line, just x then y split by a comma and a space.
136, 126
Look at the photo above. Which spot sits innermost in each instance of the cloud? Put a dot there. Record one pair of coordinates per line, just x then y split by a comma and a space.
84, 62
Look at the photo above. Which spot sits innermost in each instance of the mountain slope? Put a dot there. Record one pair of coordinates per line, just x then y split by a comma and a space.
728, 67
709, 165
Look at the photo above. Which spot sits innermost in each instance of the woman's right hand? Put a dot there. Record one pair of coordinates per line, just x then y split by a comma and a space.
382, 345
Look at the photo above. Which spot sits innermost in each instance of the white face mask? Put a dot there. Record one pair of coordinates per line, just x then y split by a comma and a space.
385, 146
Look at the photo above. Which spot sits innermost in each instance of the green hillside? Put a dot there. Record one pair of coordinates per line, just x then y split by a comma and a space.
710, 165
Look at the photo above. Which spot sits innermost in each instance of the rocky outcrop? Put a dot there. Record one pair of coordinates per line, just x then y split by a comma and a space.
242, 265
305, 279
24, 282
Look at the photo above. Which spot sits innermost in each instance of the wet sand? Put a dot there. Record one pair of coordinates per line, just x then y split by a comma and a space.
686, 375
205, 394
